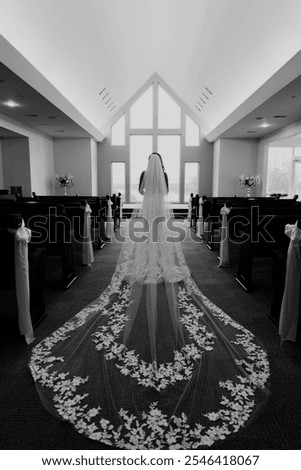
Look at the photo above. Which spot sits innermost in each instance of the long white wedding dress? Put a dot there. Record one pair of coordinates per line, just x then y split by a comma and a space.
152, 363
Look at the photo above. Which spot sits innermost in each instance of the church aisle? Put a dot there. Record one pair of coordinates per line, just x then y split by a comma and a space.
26, 425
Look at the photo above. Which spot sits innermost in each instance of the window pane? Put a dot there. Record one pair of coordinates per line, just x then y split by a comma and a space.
141, 146
169, 112
297, 152
192, 135
118, 178
141, 113
118, 132
279, 170
191, 179
169, 147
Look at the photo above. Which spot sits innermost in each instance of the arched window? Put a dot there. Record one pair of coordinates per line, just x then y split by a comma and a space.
156, 120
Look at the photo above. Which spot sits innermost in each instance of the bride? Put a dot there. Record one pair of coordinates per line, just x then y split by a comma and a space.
152, 363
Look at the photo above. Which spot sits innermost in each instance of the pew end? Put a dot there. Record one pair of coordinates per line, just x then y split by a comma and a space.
9, 312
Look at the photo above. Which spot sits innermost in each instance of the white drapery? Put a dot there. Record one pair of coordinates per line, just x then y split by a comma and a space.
200, 221
109, 224
22, 238
224, 244
87, 247
289, 313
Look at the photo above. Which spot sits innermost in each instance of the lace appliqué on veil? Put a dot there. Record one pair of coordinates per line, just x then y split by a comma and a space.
153, 429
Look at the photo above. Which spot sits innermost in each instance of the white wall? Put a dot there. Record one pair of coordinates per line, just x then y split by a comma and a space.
16, 164
216, 164
94, 168
40, 164
206, 167
1, 168
44, 157
106, 154
233, 157
74, 156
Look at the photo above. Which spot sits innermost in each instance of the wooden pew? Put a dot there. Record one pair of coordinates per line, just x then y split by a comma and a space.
241, 206
118, 211
71, 203
51, 230
278, 282
263, 246
247, 217
195, 212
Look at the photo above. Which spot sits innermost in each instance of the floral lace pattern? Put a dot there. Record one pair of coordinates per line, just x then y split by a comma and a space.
153, 428
148, 374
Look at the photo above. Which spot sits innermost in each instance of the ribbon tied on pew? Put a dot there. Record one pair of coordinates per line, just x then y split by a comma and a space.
22, 238
200, 221
288, 322
109, 224
87, 247
224, 243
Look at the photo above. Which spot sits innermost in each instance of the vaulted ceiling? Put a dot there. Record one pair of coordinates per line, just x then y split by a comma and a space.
224, 58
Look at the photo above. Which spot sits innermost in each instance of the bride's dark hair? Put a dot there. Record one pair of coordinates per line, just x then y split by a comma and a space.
156, 153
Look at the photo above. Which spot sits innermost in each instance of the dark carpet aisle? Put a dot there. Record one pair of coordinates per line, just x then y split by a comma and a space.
25, 424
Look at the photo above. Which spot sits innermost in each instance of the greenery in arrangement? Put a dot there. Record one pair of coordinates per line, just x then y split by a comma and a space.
66, 181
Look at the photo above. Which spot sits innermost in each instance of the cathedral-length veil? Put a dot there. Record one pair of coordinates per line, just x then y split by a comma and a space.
152, 363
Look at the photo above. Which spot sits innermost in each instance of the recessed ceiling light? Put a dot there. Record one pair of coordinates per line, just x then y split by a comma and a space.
11, 104
265, 124
59, 130
1, 80
31, 115
51, 117
278, 116
260, 117
294, 96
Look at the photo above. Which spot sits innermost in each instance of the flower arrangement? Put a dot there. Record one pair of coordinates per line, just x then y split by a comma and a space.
65, 181
249, 182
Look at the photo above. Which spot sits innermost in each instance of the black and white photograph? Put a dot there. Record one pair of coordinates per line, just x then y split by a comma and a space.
150, 232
